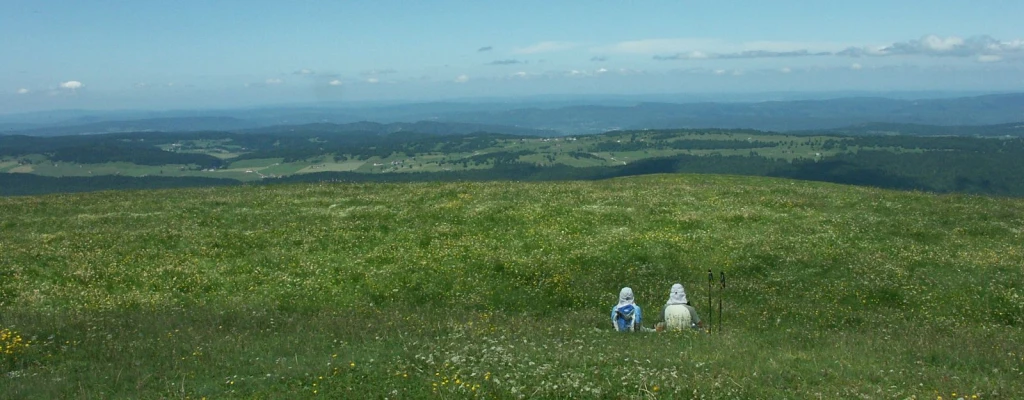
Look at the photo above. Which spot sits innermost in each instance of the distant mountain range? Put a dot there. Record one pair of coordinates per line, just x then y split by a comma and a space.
181, 124
856, 114
424, 127
1015, 129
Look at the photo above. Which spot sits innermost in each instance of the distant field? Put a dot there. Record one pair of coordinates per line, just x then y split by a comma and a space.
332, 166
544, 151
934, 163
502, 290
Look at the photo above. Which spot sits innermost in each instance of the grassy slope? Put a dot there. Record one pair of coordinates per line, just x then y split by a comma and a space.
403, 290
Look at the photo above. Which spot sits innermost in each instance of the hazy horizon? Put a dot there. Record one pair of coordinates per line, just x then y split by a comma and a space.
229, 54
553, 100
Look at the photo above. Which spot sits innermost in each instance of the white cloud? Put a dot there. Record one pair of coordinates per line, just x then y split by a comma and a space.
72, 85
720, 72
334, 83
785, 70
462, 79
601, 70
23, 91
988, 58
372, 80
856, 66
520, 74
274, 81
545, 47
305, 71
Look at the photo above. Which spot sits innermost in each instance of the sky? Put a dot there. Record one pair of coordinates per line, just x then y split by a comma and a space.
191, 54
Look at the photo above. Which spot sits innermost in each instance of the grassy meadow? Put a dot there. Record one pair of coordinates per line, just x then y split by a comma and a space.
502, 290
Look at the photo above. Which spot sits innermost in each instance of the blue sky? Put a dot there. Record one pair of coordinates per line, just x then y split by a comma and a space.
105, 54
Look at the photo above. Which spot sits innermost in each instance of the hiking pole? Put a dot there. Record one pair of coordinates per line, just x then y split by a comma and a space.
720, 295
711, 314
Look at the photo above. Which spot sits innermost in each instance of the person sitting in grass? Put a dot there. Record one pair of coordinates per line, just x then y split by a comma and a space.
626, 316
677, 314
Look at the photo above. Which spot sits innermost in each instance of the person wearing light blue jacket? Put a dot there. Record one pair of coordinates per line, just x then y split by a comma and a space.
626, 316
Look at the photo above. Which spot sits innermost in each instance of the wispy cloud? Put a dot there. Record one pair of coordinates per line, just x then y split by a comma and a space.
985, 48
335, 83
631, 71
372, 80
655, 46
598, 58
376, 72
71, 85
506, 62
698, 55
304, 71
982, 48
579, 73
485, 48
462, 79
23, 91
545, 47
856, 66
147, 85
274, 81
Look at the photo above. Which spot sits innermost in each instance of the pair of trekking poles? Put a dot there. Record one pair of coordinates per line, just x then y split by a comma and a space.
711, 307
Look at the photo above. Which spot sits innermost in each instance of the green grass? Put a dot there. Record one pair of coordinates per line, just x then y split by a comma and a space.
6, 165
502, 290
111, 168
255, 163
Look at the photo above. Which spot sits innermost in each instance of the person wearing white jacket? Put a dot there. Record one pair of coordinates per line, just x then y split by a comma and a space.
677, 314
